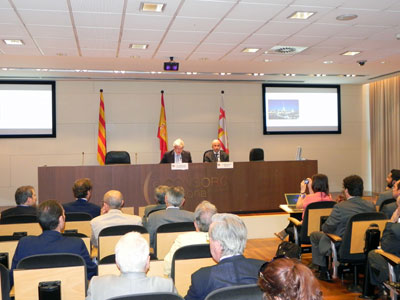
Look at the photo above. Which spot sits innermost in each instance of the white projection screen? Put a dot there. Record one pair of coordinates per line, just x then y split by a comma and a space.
27, 109
301, 109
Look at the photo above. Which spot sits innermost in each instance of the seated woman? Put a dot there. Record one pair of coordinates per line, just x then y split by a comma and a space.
286, 278
318, 188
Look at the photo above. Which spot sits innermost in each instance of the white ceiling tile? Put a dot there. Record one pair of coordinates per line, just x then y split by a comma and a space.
97, 33
51, 31
98, 53
8, 16
200, 55
61, 44
394, 7
250, 11
195, 24
330, 3
177, 48
55, 52
97, 6
225, 37
388, 35
35, 17
281, 28
187, 36
322, 51
318, 29
266, 39
303, 41
215, 48
238, 26
60, 5
128, 53
205, 9
98, 44
179, 56
21, 51
361, 31
368, 4
97, 19
143, 35
5, 4
158, 22
12, 30
339, 42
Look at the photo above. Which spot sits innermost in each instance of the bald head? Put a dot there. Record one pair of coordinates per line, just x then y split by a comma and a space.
216, 145
114, 199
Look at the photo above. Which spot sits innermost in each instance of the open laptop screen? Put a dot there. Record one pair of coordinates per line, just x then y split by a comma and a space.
291, 199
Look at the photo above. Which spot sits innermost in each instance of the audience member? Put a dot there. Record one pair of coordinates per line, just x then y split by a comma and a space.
216, 154
25, 198
111, 215
174, 200
82, 190
389, 209
133, 261
178, 155
159, 195
228, 237
51, 218
202, 220
336, 222
288, 279
392, 177
318, 189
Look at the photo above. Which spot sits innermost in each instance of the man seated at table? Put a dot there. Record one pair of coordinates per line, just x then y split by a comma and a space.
174, 199
51, 218
389, 209
133, 261
178, 155
82, 190
228, 237
159, 196
392, 177
111, 215
216, 154
25, 198
202, 220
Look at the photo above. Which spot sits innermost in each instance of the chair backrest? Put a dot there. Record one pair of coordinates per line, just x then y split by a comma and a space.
117, 157
5, 283
352, 247
18, 219
55, 260
385, 202
121, 230
151, 296
77, 216
190, 252
388, 207
205, 153
81, 226
256, 154
312, 218
237, 292
7, 250
28, 228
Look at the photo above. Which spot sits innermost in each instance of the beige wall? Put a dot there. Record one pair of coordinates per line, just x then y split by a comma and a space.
132, 113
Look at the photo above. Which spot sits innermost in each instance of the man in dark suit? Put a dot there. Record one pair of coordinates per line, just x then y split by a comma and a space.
82, 190
228, 236
25, 197
391, 179
178, 155
389, 209
51, 218
159, 195
216, 154
336, 223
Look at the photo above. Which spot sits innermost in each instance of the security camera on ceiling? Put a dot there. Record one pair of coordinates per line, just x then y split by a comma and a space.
171, 65
361, 62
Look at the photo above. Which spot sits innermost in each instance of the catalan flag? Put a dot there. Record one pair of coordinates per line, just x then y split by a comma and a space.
222, 131
162, 128
101, 139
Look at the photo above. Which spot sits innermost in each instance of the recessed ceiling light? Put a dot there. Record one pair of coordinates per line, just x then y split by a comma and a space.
14, 42
301, 15
152, 7
61, 54
250, 50
138, 46
267, 60
328, 62
382, 62
351, 53
398, 36
346, 17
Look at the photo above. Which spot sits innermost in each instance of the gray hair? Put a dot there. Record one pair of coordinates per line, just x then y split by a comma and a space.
230, 231
159, 193
179, 143
114, 199
23, 193
203, 215
175, 195
131, 253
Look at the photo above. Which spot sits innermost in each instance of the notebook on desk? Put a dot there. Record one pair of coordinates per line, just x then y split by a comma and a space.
291, 200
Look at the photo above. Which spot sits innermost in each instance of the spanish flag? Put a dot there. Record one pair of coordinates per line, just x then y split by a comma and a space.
162, 128
222, 131
101, 139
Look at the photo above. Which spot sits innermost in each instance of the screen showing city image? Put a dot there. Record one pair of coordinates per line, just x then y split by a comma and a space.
301, 109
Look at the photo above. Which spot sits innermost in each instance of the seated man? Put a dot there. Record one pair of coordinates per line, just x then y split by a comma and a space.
111, 215
82, 190
202, 220
392, 177
389, 209
25, 198
178, 155
228, 236
51, 218
174, 200
216, 154
159, 195
133, 261
336, 222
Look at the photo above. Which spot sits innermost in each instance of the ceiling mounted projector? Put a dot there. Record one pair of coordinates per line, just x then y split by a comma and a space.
171, 65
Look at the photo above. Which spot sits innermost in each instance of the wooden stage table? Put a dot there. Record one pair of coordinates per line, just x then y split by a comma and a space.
248, 187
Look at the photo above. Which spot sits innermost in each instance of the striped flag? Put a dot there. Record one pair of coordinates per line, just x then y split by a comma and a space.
162, 128
101, 139
222, 131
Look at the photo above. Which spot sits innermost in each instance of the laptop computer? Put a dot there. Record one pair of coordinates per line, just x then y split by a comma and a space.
291, 200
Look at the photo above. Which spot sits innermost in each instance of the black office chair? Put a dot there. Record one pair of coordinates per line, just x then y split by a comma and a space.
190, 252
18, 219
5, 283
388, 207
149, 296
117, 157
54, 260
256, 154
121, 230
77, 216
106, 260
176, 227
205, 153
237, 292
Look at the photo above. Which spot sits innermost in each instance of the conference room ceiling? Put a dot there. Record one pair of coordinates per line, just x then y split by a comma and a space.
90, 39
